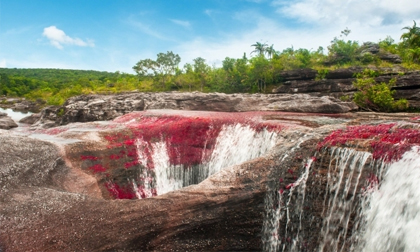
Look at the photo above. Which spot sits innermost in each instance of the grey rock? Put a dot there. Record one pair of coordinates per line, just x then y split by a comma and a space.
393, 58
7, 123
30, 119
369, 47
96, 107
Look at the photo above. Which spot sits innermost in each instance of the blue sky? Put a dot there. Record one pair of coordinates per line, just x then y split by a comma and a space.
112, 35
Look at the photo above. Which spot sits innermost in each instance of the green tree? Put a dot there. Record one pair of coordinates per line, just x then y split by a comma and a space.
260, 48
201, 70
270, 51
341, 51
411, 43
260, 74
162, 68
411, 38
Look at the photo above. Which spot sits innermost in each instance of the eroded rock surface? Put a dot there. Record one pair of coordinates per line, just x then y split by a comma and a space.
50, 199
88, 108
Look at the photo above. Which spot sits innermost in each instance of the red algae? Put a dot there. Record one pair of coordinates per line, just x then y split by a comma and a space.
54, 131
120, 192
97, 168
189, 139
386, 141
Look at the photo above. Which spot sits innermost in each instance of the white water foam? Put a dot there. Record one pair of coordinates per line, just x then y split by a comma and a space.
392, 219
235, 144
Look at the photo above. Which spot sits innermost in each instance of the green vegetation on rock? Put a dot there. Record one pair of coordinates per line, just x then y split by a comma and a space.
376, 96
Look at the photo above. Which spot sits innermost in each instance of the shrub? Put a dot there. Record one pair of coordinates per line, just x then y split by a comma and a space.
374, 96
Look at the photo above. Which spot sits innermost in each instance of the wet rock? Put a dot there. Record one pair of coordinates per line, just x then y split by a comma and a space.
48, 202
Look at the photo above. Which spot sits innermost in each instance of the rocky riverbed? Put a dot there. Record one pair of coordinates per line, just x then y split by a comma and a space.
95, 185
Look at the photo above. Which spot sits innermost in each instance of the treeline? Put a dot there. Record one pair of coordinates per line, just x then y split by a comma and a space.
263, 68
56, 85
257, 72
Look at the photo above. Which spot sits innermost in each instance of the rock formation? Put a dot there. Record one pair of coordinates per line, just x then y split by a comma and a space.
88, 108
6, 122
54, 194
338, 83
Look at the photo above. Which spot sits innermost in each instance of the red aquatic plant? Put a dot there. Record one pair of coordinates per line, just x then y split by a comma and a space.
188, 140
386, 141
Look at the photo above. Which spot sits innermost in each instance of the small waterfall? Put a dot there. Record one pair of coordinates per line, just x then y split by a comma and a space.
235, 144
340, 202
392, 215
277, 206
293, 223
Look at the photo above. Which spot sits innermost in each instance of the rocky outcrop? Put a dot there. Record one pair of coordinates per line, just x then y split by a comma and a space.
6, 122
338, 83
88, 108
33, 118
50, 203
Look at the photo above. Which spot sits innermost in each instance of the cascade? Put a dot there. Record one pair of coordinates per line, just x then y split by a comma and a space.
358, 193
297, 219
234, 144
392, 213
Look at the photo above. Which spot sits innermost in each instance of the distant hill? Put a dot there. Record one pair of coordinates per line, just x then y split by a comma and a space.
58, 76
56, 85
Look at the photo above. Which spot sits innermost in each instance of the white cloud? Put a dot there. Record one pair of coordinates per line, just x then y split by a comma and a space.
58, 38
214, 50
360, 12
315, 23
3, 63
182, 23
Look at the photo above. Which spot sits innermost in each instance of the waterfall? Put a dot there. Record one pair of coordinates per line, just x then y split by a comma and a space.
235, 144
392, 217
340, 200
365, 205
277, 205
290, 225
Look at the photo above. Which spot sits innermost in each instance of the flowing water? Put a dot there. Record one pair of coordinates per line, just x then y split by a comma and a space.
392, 218
235, 144
366, 205
15, 115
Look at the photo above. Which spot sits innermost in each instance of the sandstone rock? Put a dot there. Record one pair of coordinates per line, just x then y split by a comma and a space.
7, 123
49, 203
344, 73
88, 108
393, 58
298, 74
30, 119
326, 86
310, 104
369, 47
